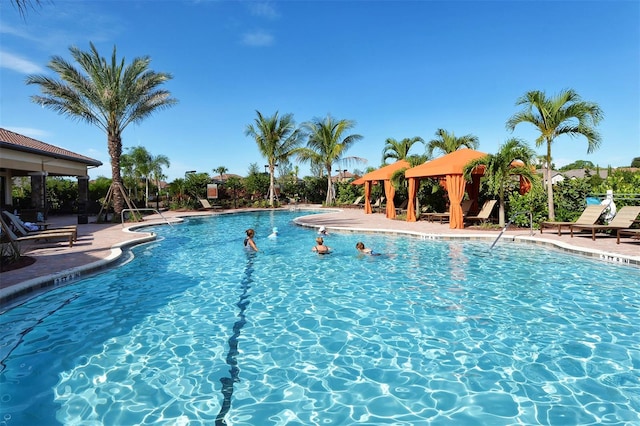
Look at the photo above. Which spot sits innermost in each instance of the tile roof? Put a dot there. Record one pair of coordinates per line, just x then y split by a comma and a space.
18, 142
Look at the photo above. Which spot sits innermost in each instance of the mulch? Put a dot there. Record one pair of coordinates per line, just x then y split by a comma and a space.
9, 264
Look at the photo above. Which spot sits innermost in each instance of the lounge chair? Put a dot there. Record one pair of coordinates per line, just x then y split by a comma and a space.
378, 204
589, 216
402, 208
206, 205
357, 203
485, 212
442, 217
634, 233
622, 220
44, 235
21, 229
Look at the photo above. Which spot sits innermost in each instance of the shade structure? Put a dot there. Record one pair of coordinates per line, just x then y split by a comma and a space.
450, 167
382, 174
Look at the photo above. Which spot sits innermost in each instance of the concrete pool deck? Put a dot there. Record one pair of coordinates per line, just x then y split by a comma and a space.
100, 245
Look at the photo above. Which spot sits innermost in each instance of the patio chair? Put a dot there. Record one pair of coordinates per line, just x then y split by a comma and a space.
206, 205
485, 212
21, 228
589, 216
442, 217
402, 208
622, 220
44, 235
357, 203
378, 204
633, 233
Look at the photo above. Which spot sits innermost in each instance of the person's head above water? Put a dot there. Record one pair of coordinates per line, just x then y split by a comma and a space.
250, 233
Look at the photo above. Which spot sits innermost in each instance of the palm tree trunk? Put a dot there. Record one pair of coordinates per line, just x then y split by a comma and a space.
271, 184
329, 200
115, 151
552, 213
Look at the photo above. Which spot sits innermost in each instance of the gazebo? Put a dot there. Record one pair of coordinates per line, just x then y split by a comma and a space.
382, 174
449, 168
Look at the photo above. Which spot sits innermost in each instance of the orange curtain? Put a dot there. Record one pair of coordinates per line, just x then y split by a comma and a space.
390, 192
525, 185
455, 187
411, 205
367, 197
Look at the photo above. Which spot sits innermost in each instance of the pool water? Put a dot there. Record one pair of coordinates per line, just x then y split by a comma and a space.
197, 331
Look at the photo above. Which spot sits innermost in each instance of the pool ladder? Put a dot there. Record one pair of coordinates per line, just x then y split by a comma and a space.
509, 223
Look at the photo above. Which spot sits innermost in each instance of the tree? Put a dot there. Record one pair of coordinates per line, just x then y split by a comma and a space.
327, 144
399, 150
563, 114
23, 5
107, 94
635, 162
221, 171
514, 157
579, 164
449, 142
277, 140
156, 162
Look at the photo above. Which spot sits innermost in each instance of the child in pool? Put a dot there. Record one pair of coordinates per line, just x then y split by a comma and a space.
249, 244
320, 248
362, 249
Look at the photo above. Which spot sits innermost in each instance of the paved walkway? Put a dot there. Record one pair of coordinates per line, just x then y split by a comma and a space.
99, 245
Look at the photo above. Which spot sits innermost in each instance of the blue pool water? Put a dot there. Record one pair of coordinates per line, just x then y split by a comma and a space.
196, 331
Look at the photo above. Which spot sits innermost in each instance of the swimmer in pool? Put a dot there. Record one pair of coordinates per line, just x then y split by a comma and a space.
320, 248
362, 249
249, 244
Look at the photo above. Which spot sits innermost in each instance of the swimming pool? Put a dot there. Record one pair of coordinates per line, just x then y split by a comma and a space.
195, 330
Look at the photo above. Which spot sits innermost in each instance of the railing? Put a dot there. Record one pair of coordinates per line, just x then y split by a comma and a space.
509, 223
137, 210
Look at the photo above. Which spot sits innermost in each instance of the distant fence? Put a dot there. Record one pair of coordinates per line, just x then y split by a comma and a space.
627, 198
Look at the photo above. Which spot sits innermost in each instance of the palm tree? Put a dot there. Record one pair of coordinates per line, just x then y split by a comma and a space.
277, 140
156, 162
399, 150
221, 171
564, 114
327, 145
448, 142
110, 95
501, 167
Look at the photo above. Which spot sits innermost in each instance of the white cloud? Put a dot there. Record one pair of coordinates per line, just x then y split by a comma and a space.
18, 64
257, 38
263, 9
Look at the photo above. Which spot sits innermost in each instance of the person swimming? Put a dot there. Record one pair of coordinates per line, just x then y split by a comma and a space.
364, 250
249, 244
320, 248
274, 233
322, 231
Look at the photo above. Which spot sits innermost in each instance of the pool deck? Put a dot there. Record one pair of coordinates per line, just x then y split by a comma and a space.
100, 245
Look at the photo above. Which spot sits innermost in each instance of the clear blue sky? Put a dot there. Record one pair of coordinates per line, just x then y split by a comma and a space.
398, 68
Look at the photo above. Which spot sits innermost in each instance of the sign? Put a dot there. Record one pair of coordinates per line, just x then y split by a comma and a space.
212, 190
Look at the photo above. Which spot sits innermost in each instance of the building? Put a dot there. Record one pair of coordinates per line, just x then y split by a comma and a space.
22, 156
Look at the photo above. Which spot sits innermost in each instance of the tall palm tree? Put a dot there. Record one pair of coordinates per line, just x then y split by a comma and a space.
140, 159
156, 163
327, 144
563, 114
449, 142
399, 150
221, 171
500, 169
277, 139
107, 94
